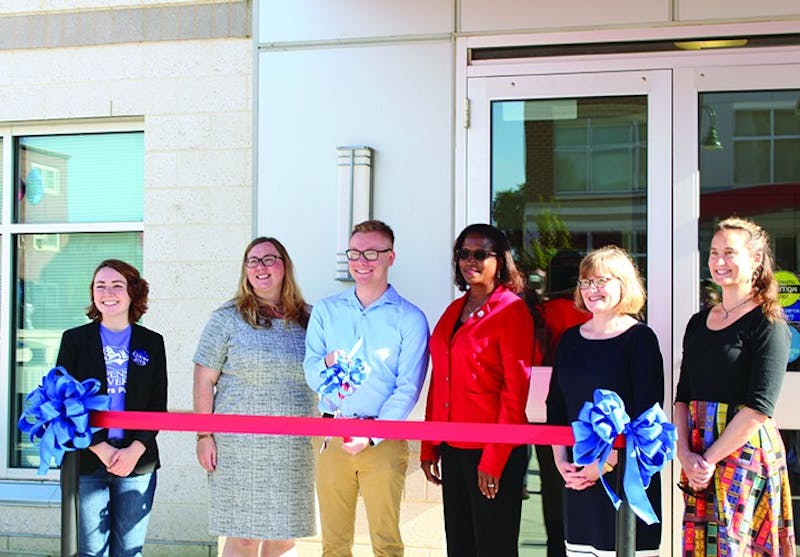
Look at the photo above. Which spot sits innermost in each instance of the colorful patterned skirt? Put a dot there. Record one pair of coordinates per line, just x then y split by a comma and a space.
747, 509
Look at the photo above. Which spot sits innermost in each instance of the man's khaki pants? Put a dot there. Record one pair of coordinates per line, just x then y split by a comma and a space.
379, 473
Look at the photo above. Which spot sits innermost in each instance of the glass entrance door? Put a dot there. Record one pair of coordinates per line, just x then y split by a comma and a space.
573, 163
743, 160
649, 160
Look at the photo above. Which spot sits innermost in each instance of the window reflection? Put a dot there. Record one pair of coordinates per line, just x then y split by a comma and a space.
755, 174
569, 174
79, 178
51, 295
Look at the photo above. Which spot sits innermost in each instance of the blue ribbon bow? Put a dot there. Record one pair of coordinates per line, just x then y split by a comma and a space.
649, 444
56, 415
339, 381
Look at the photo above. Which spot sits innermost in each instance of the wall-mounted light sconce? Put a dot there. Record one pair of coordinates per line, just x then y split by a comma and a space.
355, 198
711, 141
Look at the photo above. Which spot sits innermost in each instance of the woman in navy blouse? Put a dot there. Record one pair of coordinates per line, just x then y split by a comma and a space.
614, 351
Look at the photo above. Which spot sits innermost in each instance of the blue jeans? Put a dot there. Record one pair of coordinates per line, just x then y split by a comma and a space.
113, 513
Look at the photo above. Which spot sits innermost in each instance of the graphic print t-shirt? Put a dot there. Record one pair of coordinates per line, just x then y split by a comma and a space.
115, 352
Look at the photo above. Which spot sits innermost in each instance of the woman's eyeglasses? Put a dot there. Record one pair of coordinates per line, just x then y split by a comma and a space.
478, 254
368, 254
267, 261
599, 282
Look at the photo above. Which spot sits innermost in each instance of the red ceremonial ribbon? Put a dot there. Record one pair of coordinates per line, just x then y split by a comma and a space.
513, 434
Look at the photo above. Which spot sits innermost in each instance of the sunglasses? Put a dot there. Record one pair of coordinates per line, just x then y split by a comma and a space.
478, 255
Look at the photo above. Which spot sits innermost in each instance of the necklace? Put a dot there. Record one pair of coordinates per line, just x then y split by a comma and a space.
727, 312
471, 310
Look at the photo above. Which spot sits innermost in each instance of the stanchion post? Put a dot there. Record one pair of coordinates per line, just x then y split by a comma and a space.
69, 504
626, 520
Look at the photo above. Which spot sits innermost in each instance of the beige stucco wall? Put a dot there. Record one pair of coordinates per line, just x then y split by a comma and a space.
193, 99
39, 6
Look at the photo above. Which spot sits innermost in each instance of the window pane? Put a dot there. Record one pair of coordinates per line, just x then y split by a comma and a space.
787, 122
787, 160
611, 134
752, 122
751, 160
51, 294
570, 172
552, 163
80, 178
610, 170
641, 167
572, 134
758, 177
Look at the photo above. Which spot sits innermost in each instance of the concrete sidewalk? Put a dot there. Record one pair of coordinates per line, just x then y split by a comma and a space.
532, 537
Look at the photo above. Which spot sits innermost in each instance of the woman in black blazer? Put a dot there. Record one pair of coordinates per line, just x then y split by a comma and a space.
118, 470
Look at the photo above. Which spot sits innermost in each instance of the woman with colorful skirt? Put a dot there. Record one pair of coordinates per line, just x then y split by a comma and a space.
734, 475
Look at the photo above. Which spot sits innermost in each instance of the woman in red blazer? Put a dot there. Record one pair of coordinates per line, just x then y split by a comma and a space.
481, 348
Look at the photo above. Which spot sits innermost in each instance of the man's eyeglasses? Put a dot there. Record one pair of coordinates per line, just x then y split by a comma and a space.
478, 254
267, 261
368, 254
599, 282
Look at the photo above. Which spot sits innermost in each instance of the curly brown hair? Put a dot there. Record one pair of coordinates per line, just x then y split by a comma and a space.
138, 290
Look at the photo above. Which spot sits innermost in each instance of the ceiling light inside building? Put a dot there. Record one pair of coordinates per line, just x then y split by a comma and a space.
715, 43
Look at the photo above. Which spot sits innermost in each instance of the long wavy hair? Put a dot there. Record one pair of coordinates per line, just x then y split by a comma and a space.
138, 290
765, 285
258, 315
507, 273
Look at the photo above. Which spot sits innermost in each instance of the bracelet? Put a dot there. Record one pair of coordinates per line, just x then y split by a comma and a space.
607, 468
204, 436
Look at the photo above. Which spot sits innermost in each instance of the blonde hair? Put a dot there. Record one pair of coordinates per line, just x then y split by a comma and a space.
614, 261
294, 306
765, 286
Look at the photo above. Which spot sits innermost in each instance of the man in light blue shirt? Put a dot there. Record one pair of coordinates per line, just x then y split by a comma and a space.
371, 322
